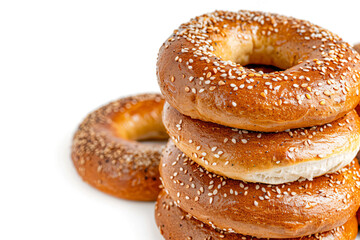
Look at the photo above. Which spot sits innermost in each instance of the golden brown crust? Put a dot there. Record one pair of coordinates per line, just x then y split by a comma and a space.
175, 224
268, 211
107, 155
197, 74
240, 154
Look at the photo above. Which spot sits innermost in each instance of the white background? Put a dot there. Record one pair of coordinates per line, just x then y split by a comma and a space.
59, 60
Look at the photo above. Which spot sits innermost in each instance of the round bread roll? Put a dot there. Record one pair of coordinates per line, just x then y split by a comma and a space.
289, 210
107, 151
271, 158
175, 224
201, 71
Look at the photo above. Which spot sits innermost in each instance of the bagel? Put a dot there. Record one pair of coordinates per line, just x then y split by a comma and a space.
271, 158
176, 224
201, 71
265, 211
108, 154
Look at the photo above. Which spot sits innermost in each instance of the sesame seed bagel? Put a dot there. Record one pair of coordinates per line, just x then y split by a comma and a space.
108, 155
201, 71
175, 224
271, 158
265, 211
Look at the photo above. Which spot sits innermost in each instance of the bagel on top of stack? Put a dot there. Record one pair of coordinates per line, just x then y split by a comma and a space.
266, 154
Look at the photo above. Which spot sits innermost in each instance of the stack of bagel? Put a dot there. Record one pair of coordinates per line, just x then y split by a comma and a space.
258, 153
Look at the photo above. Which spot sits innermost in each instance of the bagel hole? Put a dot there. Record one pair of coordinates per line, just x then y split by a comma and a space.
260, 68
141, 122
247, 49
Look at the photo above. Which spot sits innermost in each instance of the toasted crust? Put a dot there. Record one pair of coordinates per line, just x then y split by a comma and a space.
271, 158
200, 71
175, 224
267, 211
106, 153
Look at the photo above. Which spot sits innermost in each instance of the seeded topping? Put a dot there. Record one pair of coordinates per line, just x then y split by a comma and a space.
238, 153
172, 221
333, 54
95, 138
324, 72
210, 192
